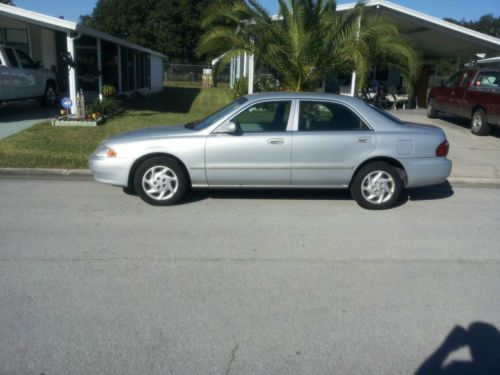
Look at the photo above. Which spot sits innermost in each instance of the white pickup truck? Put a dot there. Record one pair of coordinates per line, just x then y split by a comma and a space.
21, 78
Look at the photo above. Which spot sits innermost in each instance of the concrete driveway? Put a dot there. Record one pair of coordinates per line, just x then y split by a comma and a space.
17, 116
475, 159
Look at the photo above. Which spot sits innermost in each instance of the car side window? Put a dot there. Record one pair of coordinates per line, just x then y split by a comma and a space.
488, 79
25, 60
326, 116
11, 57
453, 80
264, 117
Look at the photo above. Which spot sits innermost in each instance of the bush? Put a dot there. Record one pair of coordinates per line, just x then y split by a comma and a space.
108, 91
240, 87
263, 83
267, 82
107, 106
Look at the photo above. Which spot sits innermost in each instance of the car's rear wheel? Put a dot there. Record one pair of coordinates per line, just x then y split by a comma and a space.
49, 97
160, 181
376, 186
479, 123
431, 109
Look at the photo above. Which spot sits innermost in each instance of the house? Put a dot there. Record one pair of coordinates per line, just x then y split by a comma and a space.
83, 58
435, 38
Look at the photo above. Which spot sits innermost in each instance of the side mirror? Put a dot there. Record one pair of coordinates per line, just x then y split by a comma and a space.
227, 128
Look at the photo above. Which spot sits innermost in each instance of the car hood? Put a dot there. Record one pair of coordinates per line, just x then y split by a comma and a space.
168, 131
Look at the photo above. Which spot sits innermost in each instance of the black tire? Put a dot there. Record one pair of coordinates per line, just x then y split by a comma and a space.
49, 98
385, 189
479, 123
431, 109
160, 175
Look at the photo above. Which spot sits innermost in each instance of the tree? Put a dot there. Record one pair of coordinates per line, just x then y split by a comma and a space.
308, 42
487, 24
169, 26
8, 2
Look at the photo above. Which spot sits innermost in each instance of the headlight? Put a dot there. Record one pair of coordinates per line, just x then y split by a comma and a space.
105, 151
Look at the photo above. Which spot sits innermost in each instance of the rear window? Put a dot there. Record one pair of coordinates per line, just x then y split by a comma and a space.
386, 114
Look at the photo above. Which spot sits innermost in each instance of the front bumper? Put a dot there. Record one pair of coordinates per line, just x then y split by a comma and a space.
426, 171
114, 171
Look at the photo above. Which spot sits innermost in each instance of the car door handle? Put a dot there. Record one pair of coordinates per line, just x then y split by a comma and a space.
364, 139
276, 141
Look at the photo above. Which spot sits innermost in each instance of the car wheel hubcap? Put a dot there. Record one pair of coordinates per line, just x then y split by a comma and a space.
50, 95
160, 183
477, 122
378, 187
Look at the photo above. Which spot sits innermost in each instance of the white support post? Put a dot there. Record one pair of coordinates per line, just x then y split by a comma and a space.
354, 73
99, 67
71, 73
119, 57
245, 64
238, 68
250, 73
353, 84
231, 74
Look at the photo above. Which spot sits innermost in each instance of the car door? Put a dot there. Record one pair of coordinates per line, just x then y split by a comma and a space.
447, 94
258, 153
30, 76
329, 142
5, 79
13, 75
456, 101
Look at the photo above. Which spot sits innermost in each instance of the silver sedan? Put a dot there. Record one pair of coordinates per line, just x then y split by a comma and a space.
279, 140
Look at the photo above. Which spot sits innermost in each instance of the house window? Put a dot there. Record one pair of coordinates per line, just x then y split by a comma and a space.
16, 38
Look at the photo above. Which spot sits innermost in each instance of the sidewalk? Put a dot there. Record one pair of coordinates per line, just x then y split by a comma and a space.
476, 160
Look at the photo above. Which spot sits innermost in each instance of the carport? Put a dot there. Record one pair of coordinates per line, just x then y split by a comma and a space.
435, 38
83, 58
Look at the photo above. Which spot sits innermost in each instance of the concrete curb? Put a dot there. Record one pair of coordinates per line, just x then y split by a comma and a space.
45, 173
86, 174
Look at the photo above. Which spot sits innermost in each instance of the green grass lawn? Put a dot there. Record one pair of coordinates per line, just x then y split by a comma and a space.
47, 146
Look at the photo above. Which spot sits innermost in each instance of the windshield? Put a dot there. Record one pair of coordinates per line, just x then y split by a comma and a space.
386, 114
214, 117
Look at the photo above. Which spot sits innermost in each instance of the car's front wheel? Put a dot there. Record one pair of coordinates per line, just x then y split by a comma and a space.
160, 181
49, 98
431, 109
376, 186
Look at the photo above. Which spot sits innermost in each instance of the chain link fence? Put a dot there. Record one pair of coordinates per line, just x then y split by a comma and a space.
192, 75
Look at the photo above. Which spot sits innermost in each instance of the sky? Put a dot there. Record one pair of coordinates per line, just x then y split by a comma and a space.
458, 9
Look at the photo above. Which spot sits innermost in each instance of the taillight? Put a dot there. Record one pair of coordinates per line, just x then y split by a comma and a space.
442, 149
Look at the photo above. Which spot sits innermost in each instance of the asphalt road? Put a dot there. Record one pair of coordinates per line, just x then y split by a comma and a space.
94, 281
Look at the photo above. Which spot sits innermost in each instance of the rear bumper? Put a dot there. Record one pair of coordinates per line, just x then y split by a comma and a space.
114, 171
426, 171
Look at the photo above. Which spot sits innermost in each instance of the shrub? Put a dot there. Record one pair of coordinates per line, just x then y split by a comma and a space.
107, 106
108, 91
240, 87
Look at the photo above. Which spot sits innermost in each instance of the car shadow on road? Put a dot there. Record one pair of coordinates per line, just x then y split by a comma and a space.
441, 191
24, 110
483, 341
465, 123
196, 195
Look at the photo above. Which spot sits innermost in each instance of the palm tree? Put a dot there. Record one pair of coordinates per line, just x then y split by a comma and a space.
308, 41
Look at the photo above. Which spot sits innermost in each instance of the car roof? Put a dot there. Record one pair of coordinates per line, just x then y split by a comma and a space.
302, 95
